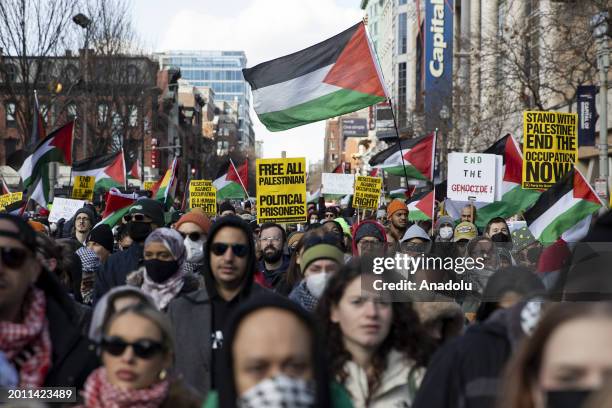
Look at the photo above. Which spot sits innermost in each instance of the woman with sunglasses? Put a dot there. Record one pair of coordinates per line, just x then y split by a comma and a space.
163, 276
136, 352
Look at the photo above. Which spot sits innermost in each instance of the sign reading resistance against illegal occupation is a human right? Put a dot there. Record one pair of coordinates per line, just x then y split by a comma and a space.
550, 147
281, 190
202, 194
367, 192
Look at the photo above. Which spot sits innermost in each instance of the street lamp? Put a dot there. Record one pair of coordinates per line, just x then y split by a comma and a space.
84, 22
600, 28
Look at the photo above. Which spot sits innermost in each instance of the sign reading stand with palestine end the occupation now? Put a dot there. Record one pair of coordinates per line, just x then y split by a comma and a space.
281, 190
550, 147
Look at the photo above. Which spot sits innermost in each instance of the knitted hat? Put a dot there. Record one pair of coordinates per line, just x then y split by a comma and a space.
294, 237
465, 230
151, 208
368, 229
102, 235
37, 226
321, 251
226, 206
415, 232
346, 229
86, 211
394, 206
521, 239
445, 219
197, 218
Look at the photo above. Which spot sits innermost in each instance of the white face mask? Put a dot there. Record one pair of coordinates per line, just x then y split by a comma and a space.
195, 250
279, 391
446, 232
316, 283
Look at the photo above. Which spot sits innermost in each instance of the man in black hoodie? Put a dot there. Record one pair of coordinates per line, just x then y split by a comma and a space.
198, 318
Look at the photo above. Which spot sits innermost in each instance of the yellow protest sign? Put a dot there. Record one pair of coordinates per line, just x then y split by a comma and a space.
281, 190
83, 188
10, 198
202, 194
367, 192
148, 185
550, 147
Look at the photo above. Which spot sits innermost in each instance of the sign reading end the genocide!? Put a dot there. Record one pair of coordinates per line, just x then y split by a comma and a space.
367, 192
202, 194
550, 147
281, 190
83, 187
472, 177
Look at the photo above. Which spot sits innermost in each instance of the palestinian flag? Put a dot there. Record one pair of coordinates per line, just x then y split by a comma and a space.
402, 193
418, 158
166, 186
422, 208
5, 189
109, 170
117, 205
337, 76
229, 185
339, 169
562, 207
57, 147
135, 172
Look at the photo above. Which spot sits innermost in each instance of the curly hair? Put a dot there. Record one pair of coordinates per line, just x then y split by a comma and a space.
407, 335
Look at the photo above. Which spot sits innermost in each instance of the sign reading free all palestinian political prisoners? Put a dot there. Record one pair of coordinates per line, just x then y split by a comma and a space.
550, 147
281, 190
367, 192
202, 194
471, 177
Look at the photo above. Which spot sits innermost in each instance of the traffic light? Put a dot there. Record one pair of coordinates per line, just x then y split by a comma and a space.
154, 154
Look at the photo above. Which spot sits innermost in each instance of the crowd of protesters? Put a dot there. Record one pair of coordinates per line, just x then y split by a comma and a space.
182, 310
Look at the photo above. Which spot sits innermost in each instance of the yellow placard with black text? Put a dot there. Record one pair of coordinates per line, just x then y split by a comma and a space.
281, 190
202, 194
10, 198
550, 147
148, 185
367, 192
83, 188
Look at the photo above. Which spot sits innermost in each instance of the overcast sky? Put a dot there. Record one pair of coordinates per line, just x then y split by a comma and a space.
263, 29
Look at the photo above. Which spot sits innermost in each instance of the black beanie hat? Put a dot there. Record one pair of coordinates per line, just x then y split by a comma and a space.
87, 211
102, 235
151, 208
226, 206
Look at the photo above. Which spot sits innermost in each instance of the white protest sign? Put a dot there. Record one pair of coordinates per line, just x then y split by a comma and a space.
472, 176
64, 208
335, 183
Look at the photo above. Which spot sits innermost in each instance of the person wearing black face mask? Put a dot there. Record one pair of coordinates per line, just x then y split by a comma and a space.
498, 231
163, 276
143, 217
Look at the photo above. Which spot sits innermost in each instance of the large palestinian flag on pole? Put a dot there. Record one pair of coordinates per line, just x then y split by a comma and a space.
561, 207
109, 170
230, 184
422, 207
418, 160
337, 76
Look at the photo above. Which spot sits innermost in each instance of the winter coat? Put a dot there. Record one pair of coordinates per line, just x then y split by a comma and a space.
397, 387
181, 396
116, 269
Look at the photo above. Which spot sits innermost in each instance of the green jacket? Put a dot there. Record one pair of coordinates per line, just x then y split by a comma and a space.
339, 398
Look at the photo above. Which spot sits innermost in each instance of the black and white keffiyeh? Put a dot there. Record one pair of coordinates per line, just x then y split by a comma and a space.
279, 392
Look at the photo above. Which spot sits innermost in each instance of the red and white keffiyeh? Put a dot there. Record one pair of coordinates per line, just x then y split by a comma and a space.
100, 393
28, 344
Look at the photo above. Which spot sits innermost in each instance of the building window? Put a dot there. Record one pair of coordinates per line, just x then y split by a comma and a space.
401, 94
11, 73
332, 145
222, 147
71, 74
402, 27
102, 113
71, 111
11, 114
132, 74
400, 2
132, 114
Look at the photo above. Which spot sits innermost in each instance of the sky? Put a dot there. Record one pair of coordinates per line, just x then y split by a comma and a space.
263, 29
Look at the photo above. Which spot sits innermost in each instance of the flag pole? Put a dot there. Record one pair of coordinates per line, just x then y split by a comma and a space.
399, 140
239, 178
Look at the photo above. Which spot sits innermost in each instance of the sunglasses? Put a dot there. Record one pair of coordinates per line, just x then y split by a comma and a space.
194, 236
219, 248
13, 257
134, 217
142, 348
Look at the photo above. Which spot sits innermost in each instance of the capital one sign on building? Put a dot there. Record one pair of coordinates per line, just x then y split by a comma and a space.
438, 60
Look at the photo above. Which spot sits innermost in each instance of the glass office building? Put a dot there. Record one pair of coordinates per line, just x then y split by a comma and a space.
221, 71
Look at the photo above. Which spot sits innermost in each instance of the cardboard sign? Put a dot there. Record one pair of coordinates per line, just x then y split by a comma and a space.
281, 190
472, 177
335, 183
550, 147
83, 188
64, 208
148, 185
202, 194
10, 198
367, 192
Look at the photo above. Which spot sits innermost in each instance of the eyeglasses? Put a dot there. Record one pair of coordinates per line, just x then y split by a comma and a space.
13, 257
219, 248
194, 236
330, 215
142, 348
134, 217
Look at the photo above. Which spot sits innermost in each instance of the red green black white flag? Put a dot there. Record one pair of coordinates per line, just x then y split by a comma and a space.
418, 158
